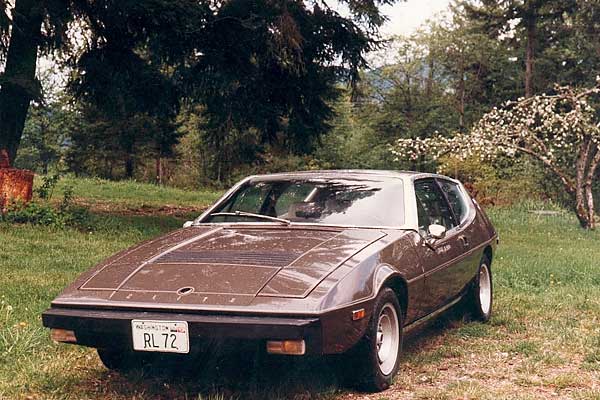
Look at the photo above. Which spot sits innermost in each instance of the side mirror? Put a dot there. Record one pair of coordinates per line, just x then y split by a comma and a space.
436, 231
187, 224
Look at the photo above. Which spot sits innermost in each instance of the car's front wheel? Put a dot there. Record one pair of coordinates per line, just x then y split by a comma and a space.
376, 358
480, 298
114, 359
122, 360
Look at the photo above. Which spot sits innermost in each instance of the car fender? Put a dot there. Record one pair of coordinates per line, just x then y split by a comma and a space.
341, 329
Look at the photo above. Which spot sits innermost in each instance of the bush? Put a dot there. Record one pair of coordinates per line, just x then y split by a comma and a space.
504, 181
41, 211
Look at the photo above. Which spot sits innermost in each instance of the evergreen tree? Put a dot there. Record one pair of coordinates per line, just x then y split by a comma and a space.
523, 23
270, 65
21, 36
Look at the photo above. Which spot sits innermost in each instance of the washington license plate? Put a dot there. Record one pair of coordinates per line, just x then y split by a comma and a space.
162, 336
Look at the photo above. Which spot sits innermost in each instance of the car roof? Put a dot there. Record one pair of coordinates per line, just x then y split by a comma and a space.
347, 173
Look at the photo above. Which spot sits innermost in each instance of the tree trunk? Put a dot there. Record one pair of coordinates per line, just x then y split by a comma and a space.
19, 85
531, 22
129, 166
587, 163
589, 182
159, 170
580, 167
461, 104
460, 93
581, 210
590, 206
585, 209
429, 85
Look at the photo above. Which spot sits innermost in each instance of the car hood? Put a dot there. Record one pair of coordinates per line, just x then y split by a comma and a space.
221, 265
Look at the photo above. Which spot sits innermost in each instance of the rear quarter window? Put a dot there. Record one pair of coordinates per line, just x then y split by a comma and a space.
456, 198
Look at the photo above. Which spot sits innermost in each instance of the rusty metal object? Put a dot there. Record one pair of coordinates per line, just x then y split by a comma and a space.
15, 184
4, 159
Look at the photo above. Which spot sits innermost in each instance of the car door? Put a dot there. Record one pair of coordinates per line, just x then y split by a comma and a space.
442, 258
465, 213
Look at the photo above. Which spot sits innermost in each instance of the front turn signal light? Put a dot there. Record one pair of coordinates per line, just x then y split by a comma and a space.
63, 335
358, 314
292, 347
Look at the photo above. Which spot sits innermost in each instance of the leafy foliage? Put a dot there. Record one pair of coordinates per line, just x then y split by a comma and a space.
560, 131
530, 26
270, 67
46, 189
43, 212
4, 27
190, 93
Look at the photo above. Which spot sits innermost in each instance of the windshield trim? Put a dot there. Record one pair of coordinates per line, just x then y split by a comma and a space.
300, 224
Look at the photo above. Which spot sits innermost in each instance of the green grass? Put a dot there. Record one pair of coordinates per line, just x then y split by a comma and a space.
543, 341
111, 195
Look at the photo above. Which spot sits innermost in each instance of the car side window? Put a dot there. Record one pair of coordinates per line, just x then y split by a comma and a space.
432, 207
456, 199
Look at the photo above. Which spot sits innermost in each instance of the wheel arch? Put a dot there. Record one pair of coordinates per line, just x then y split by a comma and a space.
489, 253
400, 288
397, 283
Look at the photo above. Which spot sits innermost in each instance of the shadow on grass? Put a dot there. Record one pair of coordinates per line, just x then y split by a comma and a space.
244, 371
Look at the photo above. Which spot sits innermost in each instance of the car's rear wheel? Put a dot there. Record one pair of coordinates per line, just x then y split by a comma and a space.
376, 358
480, 298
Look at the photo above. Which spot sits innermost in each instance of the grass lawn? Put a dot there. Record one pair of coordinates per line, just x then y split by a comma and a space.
134, 197
543, 341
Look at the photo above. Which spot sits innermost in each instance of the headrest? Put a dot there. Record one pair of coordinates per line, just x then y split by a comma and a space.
302, 210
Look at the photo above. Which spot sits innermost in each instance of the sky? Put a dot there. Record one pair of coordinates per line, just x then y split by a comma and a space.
405, 17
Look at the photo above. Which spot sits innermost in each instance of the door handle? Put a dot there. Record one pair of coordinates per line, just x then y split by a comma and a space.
464, 240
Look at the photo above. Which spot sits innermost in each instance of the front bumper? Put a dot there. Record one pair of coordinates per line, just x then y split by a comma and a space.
109, 328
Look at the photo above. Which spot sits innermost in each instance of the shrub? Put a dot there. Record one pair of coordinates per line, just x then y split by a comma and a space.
41, 211
503, 181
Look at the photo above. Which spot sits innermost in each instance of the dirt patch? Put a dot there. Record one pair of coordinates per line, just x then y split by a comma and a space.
103, 207
472, 372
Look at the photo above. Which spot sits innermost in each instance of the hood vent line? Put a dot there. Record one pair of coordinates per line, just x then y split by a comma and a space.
229, 257
180, 245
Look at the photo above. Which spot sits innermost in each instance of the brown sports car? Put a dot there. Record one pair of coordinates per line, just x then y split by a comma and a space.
323, 262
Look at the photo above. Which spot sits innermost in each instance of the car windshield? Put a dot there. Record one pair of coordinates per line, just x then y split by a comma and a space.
330, 201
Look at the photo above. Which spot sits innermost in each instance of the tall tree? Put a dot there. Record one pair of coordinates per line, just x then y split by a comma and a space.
269, 65
406, 94
26, 28
525, 19
273, 66
475, 69
18, 84
446, 66
572, 53
560, 132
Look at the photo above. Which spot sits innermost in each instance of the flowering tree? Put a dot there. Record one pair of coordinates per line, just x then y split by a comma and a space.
561, 131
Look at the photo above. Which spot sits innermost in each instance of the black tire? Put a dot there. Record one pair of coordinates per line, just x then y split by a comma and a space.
478, 302
123, 360
362, 365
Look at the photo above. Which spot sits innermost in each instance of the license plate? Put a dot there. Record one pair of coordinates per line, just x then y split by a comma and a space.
162, 336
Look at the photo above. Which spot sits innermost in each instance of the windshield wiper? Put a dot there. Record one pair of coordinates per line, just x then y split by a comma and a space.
250, 215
